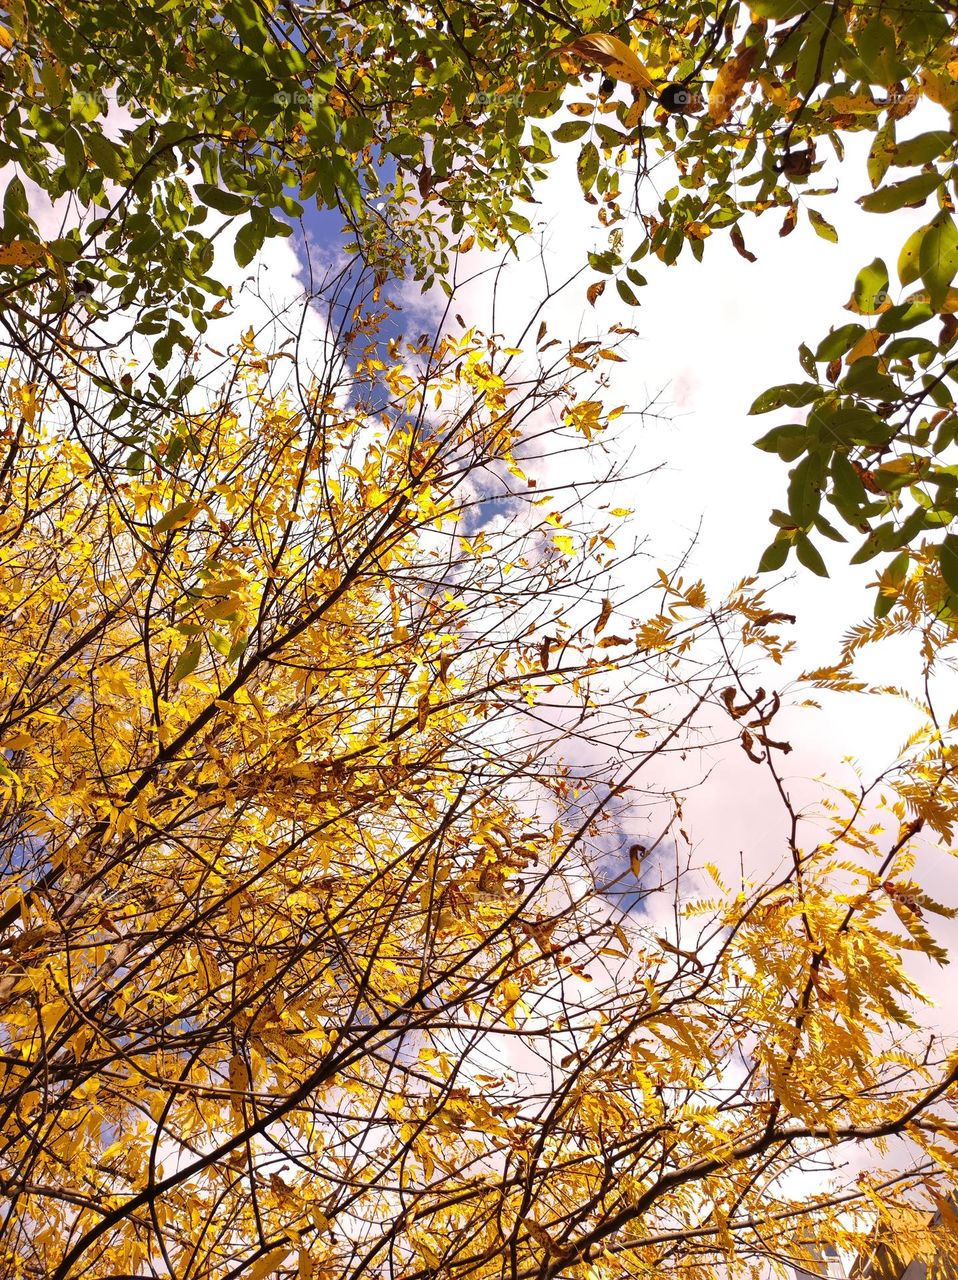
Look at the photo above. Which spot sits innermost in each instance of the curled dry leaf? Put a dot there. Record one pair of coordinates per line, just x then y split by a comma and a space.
791, 217
636, 852
767, 619
736, 712
798, 164
738, 244
760, 722
683, 954
615, 58
595, 291
605, 613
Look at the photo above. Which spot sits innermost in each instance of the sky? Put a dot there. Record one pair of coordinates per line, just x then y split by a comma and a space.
712, 336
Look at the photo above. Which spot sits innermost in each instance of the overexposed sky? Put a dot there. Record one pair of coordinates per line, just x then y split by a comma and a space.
712, 336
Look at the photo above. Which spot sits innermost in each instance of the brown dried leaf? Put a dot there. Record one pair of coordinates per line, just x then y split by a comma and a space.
738, 244
595, 291
605, 613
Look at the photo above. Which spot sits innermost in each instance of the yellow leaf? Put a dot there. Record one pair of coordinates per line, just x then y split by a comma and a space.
17, 742
239, 1083
947, 308
866, 345
940, 90
852, 104
774, 91
614, 57
268, 1264
6, 39
729, 84
21, 253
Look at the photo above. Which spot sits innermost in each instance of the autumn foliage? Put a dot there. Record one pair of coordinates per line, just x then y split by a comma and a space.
322, 954
352, 923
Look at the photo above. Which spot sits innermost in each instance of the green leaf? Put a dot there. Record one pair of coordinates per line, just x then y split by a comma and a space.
938, 257
882, 153
780, 10
571, 130
913, 191
881, 539
65, 250
851, 423
904, 348
904, 316
795, 395
249, 241
238, 649
15, 206
948, 561
822, 227
848, 493
587, 166
922, 149
186, 663
227, 202
908, 260
181, 514
788, 442
774, 555
105, 154
865, 378
871, 288
625, 293
604, 262
896, 571
74, 156
877, 48
809, 556
805, 490
827, 529
884, 603
839, 341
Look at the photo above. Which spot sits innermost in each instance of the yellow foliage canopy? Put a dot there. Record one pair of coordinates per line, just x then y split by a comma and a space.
311, 959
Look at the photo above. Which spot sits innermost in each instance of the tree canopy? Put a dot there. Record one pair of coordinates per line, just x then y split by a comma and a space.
420, 128
351, 922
